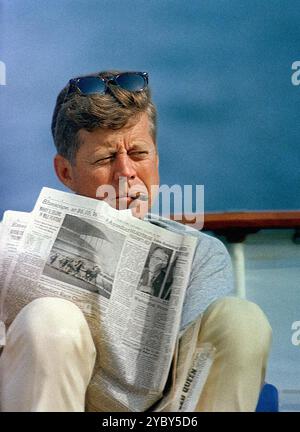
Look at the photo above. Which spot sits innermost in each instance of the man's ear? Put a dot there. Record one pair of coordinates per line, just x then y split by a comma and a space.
64, 171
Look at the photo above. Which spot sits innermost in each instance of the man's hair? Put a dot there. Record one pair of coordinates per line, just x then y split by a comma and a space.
111, 110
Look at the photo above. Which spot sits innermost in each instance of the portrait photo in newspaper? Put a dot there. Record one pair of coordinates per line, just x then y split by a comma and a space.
157, 276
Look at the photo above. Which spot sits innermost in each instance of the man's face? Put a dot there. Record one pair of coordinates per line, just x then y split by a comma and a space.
125, 159
158, 260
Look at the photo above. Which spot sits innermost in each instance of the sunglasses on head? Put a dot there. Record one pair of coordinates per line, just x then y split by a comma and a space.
130, 81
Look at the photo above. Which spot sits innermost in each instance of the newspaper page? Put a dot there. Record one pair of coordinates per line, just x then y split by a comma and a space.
191, 365
196, 378
12, 229
103, 260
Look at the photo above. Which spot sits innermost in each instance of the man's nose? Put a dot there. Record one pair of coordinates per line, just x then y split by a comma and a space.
124, 167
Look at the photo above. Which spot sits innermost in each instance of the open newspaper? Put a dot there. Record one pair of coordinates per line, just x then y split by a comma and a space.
129, 278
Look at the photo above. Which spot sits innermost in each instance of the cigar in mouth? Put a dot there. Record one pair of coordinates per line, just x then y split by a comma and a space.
141, 196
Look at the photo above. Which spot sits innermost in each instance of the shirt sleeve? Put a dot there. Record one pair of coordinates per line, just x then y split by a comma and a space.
211, 278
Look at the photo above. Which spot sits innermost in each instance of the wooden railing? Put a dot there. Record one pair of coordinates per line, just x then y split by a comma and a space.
235, 226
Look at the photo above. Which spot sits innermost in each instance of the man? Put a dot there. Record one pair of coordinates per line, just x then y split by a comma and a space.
104, 129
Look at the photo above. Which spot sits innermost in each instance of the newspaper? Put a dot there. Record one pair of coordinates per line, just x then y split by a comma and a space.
106, 262
11, 232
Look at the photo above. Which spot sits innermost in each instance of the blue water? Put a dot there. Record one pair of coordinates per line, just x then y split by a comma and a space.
221, 78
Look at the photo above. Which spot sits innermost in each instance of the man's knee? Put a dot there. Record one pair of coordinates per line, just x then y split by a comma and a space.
50, 323
239, 325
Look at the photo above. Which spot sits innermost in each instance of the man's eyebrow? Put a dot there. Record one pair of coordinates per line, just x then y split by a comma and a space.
139, 143
108, 147
104, 148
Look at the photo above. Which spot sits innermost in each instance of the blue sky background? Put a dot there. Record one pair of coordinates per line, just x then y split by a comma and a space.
221, 78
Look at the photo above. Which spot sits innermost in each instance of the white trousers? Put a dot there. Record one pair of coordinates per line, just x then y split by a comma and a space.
48, 361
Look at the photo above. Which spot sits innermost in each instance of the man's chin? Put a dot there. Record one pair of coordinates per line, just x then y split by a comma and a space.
138, 207
123, 203
139, 212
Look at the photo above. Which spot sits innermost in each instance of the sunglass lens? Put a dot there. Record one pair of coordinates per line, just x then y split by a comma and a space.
131, 82
90, 85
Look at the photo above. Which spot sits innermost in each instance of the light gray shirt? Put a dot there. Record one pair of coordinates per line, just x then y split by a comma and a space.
211, 276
